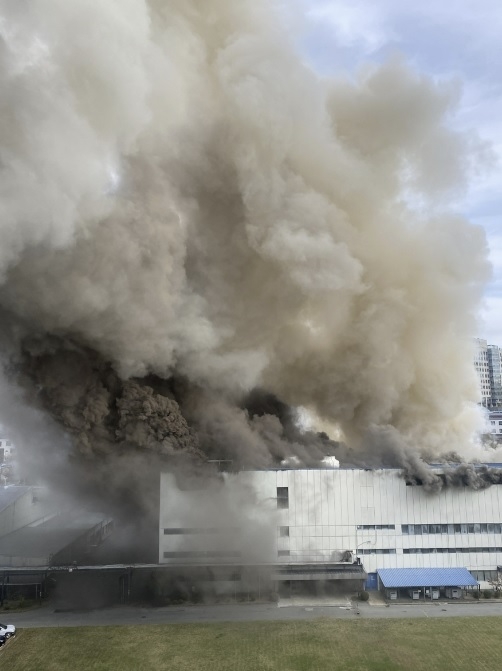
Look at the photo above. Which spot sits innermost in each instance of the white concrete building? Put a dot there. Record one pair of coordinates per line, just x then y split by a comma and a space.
308, 518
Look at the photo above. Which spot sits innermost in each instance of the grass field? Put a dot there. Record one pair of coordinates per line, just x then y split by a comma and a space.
452, 644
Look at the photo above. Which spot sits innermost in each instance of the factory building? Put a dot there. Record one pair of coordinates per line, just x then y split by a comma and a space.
35, 531
331, 524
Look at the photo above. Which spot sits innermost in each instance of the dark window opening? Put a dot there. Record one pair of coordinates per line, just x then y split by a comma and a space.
282, 497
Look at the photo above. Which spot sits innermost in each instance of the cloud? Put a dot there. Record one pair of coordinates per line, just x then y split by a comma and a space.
354, 24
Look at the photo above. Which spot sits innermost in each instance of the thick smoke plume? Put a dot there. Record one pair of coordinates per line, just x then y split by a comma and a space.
188, 213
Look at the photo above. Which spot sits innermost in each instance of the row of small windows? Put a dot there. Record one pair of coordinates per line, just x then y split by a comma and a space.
409, 529
375, 527
372, 551
178, 531
427, 551
476, 528
410, 551
284, 531
202, 554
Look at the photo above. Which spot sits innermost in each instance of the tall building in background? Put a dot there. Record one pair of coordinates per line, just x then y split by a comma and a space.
481, 364
495, 370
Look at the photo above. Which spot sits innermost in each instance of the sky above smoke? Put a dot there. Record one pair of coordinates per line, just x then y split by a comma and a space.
182, 194
453, 41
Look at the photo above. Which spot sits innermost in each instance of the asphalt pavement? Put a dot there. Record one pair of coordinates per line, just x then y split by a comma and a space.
134, 615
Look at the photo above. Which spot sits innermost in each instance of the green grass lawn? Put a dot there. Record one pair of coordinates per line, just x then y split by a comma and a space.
473, 644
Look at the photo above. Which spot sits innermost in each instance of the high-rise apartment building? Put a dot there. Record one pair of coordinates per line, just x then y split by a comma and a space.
495, 370
482, 366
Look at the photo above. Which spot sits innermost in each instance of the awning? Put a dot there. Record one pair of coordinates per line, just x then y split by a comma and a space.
426, 577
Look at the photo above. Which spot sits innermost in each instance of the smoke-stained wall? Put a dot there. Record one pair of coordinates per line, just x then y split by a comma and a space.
216, 521
183, 199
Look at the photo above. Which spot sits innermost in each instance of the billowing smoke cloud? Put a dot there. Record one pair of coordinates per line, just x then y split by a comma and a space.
182, 199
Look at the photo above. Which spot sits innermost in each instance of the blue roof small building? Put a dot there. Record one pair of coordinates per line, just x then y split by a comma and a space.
425, 583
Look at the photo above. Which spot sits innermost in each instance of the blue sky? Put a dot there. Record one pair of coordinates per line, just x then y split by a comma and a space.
459, 39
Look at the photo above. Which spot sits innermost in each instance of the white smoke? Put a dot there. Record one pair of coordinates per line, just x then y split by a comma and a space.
179, 192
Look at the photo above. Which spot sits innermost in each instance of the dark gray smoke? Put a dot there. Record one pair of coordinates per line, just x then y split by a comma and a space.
106, 415
101, 411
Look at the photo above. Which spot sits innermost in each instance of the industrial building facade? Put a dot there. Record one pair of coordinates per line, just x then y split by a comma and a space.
331, 518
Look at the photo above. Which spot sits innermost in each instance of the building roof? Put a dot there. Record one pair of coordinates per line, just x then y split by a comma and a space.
426, 577
434, 467
42, 540
11, 493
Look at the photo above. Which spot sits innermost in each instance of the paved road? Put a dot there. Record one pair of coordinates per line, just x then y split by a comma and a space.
131, 615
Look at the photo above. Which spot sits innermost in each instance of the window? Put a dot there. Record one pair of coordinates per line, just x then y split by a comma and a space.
282, 497
178, 531
374, 527
419, 551
283, 532
202, 554
474, 528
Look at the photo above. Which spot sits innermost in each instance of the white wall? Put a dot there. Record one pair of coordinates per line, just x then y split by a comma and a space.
327, 506
225, 520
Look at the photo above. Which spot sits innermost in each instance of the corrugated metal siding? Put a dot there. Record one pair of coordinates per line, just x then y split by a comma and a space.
426, 577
